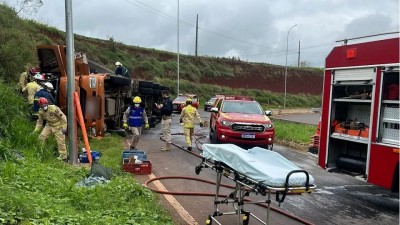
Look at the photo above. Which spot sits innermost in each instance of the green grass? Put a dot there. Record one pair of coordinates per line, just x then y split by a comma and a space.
293, 132
37, 189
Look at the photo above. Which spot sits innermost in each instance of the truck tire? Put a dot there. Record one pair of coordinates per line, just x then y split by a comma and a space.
152, 121
213, 136
145, 84
145, 91
156, 86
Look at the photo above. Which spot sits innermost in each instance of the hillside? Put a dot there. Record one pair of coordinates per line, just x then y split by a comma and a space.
203, 75
22, 36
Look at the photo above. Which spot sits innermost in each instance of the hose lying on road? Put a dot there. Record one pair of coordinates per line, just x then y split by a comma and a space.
197, 137
212, 194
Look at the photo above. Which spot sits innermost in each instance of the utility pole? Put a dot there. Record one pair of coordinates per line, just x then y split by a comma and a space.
298, 58
287, 48
72, 133
197, 33
177, 93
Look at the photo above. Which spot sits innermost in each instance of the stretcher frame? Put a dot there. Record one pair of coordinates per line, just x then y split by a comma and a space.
243, 187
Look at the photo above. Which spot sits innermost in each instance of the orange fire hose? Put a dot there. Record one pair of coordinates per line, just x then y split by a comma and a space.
83, 128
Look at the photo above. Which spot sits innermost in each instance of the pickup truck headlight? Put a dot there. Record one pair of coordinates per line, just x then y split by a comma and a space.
226, 123
268, 126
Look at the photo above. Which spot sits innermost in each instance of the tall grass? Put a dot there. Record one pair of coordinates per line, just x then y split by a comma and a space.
37, 189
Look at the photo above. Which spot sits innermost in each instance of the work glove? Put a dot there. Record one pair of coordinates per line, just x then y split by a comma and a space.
146, 126
125, 126
201, 124
180, 120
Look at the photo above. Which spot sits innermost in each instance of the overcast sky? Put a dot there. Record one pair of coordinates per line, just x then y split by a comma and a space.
254, 30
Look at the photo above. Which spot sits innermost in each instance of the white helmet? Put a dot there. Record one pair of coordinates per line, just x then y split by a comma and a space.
38, 76
118, 64
49, 86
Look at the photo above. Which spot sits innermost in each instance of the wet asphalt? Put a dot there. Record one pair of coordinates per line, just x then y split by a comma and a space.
338, 199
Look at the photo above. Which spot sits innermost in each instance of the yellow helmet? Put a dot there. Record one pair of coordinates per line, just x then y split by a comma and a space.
137, 100
189, 101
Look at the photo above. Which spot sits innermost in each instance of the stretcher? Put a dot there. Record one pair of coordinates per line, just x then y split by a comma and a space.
256, 170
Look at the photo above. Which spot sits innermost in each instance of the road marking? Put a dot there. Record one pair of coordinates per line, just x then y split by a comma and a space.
178, 207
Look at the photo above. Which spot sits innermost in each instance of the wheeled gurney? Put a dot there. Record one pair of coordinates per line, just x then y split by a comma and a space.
256, 170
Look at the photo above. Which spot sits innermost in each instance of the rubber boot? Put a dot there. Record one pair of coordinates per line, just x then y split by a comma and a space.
189, 148
167, 147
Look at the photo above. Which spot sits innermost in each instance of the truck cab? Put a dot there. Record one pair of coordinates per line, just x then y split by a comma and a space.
103, 96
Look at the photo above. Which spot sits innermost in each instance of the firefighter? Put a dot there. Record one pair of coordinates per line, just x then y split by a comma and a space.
188, 115
25, 77
32, 87
44, 92
166, 112
56, 123
133, 118
121, 70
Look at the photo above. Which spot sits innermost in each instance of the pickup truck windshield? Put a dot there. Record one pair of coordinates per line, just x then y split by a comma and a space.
242, 107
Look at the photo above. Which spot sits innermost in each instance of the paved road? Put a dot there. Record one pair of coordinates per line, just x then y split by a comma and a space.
339, 199
307, 118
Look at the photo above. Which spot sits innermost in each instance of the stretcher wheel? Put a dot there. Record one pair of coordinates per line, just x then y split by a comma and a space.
209, 220
198, 169
245, 219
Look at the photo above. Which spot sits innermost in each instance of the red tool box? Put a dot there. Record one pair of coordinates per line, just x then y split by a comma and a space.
137, 168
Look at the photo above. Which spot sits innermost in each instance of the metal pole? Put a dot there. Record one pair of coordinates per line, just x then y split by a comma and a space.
72, 134
287, 46
197, 34
178, 50
298, 57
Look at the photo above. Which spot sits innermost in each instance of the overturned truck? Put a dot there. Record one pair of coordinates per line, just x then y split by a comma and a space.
104, 96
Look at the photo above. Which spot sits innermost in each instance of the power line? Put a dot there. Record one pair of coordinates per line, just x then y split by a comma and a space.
290, 51
174, 19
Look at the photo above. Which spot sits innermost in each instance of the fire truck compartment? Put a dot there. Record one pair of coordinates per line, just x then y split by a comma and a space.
347, 155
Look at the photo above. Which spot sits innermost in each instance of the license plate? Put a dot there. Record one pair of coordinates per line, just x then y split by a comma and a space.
251, 136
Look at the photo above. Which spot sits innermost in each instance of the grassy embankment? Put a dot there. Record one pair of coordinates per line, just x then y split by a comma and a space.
37, 189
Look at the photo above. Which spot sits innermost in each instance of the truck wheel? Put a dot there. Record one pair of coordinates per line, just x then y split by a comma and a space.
214, 139
146, 91
145, 84
156, 86
156, 92
153, 121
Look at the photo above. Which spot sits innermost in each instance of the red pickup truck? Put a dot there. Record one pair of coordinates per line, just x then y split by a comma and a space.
241, 120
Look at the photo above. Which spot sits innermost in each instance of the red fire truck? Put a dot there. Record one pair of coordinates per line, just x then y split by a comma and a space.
360, 112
